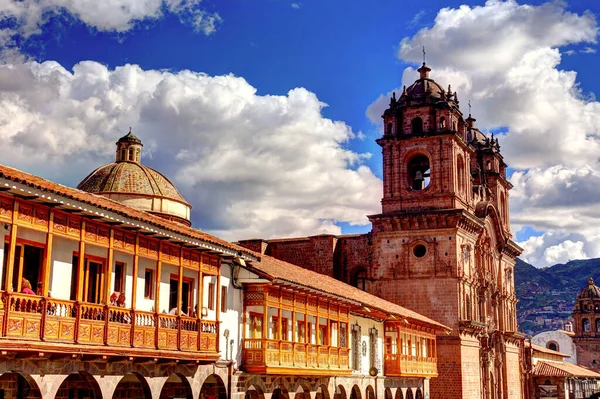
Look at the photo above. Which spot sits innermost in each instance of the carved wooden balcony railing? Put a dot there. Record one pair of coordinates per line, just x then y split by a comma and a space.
274, 356
34, 318
407, 365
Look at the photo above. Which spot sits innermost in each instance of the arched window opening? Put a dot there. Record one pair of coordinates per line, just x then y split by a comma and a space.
442, 123
468, 306
360, 279
122, 154
389, 128
585, 325
552, 345
131, 154
417, 125
418, 172
460, 171
137, 155
597, 325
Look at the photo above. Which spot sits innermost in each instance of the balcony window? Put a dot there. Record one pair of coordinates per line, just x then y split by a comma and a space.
27, 264
119, 285
211, 296
223, 299
323, 335
334, 333
300, 331
255, 325
149, 284
343, 335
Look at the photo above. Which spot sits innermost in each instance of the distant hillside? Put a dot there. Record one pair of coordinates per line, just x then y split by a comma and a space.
546, 296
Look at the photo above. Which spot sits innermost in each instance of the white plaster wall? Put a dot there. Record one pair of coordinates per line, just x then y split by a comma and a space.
31, 235
61, 267
231, 320
142, 303
564, 341
365, 325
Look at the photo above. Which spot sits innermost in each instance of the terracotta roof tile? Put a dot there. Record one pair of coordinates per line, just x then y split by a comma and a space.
564, 369
277, 269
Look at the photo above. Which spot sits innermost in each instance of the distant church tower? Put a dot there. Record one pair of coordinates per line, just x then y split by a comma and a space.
587, 326
442, 244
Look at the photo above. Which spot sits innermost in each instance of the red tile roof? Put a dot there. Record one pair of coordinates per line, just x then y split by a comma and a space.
277, 269
113, 206
564, 369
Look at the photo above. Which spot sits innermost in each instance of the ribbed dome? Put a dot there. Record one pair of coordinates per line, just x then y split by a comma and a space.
136, 185
592, 291
424, 87
130, 178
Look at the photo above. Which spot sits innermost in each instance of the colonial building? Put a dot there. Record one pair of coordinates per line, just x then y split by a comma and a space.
558, 340
586, 315
548, 375
441, 245
110, 293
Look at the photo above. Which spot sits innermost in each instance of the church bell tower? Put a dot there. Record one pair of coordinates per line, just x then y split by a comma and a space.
442, 244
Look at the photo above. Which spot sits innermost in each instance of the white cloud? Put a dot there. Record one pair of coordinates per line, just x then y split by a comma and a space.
22, 19
505, 58
250, 165
295, 6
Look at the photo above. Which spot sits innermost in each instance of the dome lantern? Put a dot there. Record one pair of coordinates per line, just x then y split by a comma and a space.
129, 148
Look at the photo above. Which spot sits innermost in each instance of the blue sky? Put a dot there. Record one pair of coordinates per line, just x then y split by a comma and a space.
346, 54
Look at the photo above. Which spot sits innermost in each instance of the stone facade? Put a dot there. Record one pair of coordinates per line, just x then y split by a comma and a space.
442, 244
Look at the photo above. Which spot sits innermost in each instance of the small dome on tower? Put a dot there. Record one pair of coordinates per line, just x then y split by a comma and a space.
592, 291
424, 86
128, 181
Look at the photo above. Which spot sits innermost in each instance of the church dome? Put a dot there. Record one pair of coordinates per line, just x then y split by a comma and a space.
136, 185
592, 291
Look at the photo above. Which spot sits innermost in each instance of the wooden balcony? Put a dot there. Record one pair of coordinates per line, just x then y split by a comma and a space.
100, 329
409, 366
267, 356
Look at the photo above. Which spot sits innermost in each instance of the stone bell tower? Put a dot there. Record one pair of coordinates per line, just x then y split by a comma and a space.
442, 244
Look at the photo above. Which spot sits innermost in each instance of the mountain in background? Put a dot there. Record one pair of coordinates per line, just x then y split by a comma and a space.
546, 296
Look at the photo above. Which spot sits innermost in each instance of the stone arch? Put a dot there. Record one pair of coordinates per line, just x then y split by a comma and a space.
255, 392
302, 389
585, 325
177, 386
369, 392
388, 393
418, 170
279, 393
460, 174
340, 392
399, 394
419, 394
79, 385
256, 383
19, 385
409, 393
355, 393
322, 392
132, 385
283, 384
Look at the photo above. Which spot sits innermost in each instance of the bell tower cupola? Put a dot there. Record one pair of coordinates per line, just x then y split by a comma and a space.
129, 148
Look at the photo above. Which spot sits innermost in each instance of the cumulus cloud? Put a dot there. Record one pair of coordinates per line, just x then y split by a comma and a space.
505, 57
250, 165
22, 19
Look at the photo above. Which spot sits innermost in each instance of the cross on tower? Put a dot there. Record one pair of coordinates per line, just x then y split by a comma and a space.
424, 53
469, 107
